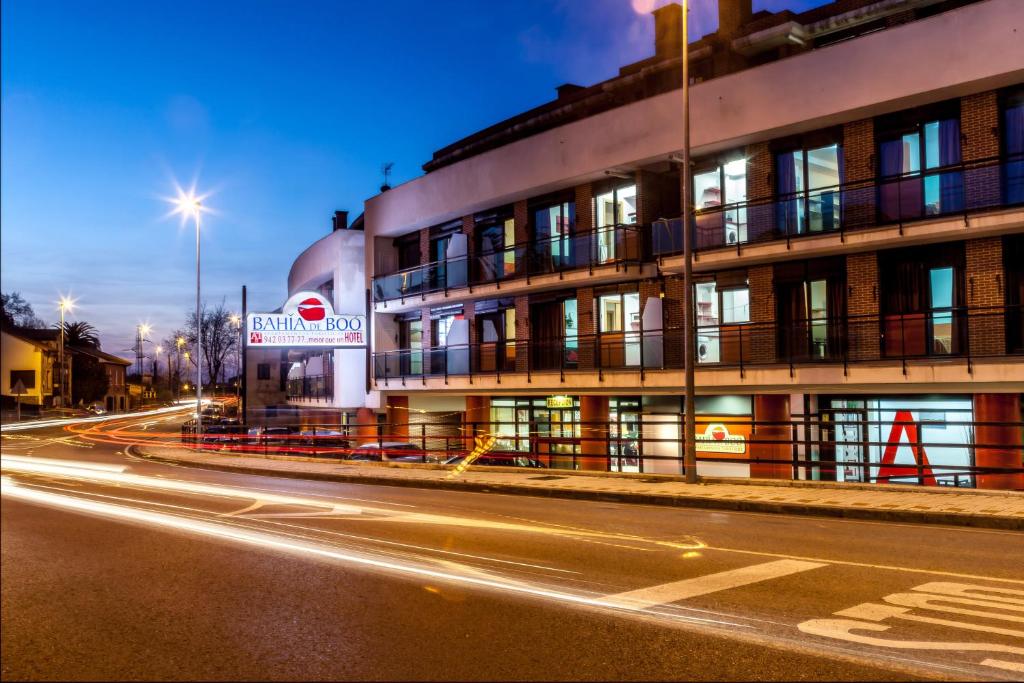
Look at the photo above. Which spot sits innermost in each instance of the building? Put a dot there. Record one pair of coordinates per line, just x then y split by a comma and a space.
31, 357
116, 398
858, 185
316, 383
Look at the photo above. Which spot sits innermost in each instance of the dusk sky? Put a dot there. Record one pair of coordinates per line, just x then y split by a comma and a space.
285, 111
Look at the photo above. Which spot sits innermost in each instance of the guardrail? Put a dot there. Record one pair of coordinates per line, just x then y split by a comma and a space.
954, 190
961, 333
611, 245
847, 444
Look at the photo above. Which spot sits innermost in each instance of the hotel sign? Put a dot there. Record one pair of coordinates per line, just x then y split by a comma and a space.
560, 402
306, 319
717, 439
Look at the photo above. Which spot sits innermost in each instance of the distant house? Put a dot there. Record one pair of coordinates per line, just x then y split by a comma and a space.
116, 398
30, 357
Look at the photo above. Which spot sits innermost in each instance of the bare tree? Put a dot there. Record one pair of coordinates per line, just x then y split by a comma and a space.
16, 312
219, 339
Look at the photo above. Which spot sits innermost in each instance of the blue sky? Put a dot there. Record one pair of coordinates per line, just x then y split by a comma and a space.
285, 110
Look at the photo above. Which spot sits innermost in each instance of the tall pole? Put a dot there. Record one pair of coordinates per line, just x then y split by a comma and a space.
62, 404
245, 387
199, 339
689, 404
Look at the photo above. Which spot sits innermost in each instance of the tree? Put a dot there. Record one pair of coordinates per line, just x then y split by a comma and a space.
170, 344
89, 381
219, 339
16, 312
80, 333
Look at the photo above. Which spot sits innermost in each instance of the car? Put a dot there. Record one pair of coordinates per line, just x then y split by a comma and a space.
388, 451
499, 460
325, 442
96, 408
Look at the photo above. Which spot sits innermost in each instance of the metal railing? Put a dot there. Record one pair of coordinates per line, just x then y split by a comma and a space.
960, 333
317, 388
953, 190
610, 245
866, 445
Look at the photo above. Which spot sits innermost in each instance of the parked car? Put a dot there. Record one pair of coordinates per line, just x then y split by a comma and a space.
389, 451
325, 442
96, 408
498, 460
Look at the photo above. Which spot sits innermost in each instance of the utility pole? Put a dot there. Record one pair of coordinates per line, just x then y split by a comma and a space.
689, 403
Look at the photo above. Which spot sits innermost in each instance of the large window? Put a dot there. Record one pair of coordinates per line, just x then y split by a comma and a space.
719, 312
553, 225
615, 207
922, 295
554, 330
496, 334
410, 340
495, 248
911, 159
723, 185
811, 308
1013, 146
619, 327
807, 185
26, 377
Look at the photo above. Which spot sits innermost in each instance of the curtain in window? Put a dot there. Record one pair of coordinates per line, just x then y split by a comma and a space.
792, 321
1013, 136
836, 335
951, 185
546, 335
788, 208
891, 166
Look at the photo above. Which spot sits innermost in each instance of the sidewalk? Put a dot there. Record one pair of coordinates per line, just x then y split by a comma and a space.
961, 507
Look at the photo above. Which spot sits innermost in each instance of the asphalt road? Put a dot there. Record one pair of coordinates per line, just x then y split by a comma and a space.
118, 568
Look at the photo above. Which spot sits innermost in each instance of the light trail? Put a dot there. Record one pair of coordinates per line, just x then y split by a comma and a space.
42, 424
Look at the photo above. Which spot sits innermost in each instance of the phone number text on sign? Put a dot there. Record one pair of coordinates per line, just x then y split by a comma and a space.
312, 338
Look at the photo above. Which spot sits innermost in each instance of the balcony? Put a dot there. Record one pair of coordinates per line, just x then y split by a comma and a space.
941, 336
311, 389
957, 191
611, 246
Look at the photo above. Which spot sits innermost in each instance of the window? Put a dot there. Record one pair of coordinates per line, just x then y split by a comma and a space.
410, 341
554, 225
554, 326
921, 295
811, 305
615, 207
714, 310
910, 157
263, 371
724, 185
495, 245
807, 185
619, 327
496, 335
1013, 146
26, 377
408, 248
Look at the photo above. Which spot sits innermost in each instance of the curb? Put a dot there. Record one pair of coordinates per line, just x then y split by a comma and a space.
699, 502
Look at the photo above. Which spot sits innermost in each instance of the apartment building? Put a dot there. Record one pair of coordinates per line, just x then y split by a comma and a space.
858, 225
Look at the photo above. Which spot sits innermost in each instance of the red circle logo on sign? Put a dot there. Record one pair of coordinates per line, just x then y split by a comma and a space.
312, 310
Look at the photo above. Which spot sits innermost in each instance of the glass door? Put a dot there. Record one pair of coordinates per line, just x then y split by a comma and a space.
807, 183
410, 340
619, 329
554, 229
616, 207
624, 435
940, 311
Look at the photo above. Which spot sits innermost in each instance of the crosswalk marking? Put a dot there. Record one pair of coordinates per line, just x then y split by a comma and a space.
711, 583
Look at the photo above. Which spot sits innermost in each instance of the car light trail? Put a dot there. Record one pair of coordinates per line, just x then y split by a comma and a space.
42, 424
268, 541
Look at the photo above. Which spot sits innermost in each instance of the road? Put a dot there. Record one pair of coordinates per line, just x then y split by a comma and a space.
115, 567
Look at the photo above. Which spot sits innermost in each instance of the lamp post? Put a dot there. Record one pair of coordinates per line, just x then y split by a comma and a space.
156, 366
65, 304
689, 403
237, 321
179, 342
190, 205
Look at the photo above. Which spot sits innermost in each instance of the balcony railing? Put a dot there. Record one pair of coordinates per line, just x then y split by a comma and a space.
315, 388
604, 246
958, 189
959, 333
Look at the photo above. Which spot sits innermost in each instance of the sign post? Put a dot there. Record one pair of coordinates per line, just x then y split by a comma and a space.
18, 389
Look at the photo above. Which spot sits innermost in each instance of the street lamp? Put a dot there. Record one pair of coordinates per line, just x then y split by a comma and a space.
236, 320
156, 367
65, 304
190, 205
689, 403
179, 342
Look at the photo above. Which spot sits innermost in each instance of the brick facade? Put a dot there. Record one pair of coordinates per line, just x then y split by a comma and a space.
858, 199
522, 333
587, 327
584, 208
979, 128
521, 218
985, 290
762, 310
862, 305
761, 215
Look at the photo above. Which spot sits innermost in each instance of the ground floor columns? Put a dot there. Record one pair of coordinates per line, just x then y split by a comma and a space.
477, 418
398, 417
594, 433
999, 445
772, 409
366, 426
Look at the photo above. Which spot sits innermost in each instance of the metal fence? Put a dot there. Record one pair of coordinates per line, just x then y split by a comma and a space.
839, 444
958, 333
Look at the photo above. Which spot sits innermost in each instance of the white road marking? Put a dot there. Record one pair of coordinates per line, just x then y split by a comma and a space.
711, 583
1000, 664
